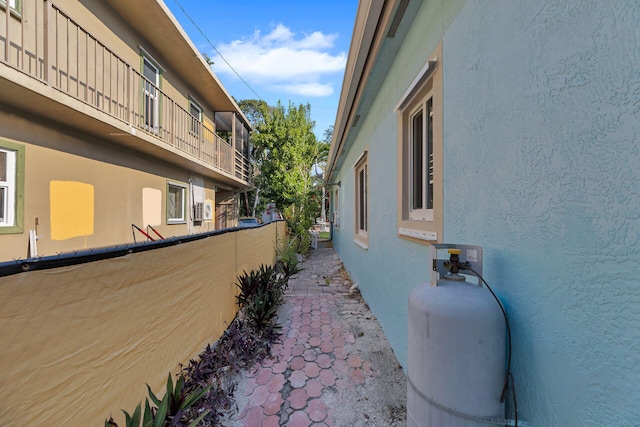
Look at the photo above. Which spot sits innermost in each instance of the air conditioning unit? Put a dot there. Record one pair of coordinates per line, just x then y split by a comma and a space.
207, 211
198, 211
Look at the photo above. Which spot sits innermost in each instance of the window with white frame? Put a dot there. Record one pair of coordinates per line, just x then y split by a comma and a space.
7, 187
151, 84
336, 210
176, 203
421, 162
420, 148
196, 117
361, 196
11, 187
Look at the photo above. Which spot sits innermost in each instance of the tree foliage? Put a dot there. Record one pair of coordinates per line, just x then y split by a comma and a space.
285, 150
252, 109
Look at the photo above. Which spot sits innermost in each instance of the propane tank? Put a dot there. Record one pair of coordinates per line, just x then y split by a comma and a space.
457, 337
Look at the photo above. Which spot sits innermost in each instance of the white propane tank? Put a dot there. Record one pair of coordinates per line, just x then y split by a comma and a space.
456, 355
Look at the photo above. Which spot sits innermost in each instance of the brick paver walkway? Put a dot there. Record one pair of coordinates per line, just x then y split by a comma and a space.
315, 361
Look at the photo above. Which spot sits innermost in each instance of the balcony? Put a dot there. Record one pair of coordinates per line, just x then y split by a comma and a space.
52, 66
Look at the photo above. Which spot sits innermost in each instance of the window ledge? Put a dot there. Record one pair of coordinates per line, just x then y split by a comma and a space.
362, 244
430, 236
176, 221
11, 229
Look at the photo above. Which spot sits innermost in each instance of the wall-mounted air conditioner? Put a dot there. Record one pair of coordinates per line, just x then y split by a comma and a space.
198, 211
207, 211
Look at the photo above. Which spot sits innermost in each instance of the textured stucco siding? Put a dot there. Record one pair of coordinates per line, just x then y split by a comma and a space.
542, 103
542, 169
391, 266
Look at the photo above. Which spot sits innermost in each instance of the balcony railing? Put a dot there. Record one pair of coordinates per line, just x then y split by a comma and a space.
43, 42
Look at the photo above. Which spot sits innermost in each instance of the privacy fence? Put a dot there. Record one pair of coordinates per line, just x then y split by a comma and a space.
79, 342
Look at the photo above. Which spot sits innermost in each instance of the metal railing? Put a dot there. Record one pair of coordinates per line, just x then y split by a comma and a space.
45, 43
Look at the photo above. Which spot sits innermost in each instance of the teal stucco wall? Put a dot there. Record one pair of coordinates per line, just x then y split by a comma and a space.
390, 267
542, 119
542, 169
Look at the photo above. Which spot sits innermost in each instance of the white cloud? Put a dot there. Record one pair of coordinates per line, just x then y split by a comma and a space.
308, 89
282, 59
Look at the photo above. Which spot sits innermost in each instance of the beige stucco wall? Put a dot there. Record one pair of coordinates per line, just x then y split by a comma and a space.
66, 169
80, 342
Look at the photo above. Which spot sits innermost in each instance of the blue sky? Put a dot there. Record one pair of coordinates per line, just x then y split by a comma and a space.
288, 50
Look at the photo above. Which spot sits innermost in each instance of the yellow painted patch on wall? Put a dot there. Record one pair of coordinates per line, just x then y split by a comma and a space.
151, 207
72, 209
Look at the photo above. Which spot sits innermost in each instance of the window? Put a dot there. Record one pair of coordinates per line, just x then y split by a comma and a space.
361, 229
11, 187
176, 203
336, 210
151, 81
420, 149
15, 5
7, 186
421, 161
196, 117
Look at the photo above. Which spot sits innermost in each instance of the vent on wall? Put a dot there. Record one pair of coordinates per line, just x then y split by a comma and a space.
198, 211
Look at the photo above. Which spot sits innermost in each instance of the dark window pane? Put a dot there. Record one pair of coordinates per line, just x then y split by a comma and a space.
417, 168
3, 213
3, 166
150, 72
430, 153
365, 197
175, 202
361, 200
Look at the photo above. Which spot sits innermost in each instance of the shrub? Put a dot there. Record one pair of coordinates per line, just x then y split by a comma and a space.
264, 279
287, 251
260, 296
263, 308
205, 387
169, 411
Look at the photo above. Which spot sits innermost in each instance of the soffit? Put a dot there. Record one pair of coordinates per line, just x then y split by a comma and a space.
371, 55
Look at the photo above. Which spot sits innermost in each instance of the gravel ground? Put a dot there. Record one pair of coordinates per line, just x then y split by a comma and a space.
382, 401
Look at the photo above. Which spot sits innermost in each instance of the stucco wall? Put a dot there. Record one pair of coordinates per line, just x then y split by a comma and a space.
541, 170
541, 154
117, 178
391, 266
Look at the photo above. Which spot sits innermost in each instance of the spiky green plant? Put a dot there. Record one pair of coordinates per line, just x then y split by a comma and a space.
250, 283
263, 308
286, 256
169, 411
175, 401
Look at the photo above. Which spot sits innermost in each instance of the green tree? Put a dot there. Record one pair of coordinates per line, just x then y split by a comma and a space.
253, 110
285, 151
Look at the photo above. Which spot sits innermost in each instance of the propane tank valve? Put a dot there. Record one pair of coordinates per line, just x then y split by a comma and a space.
454, 265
